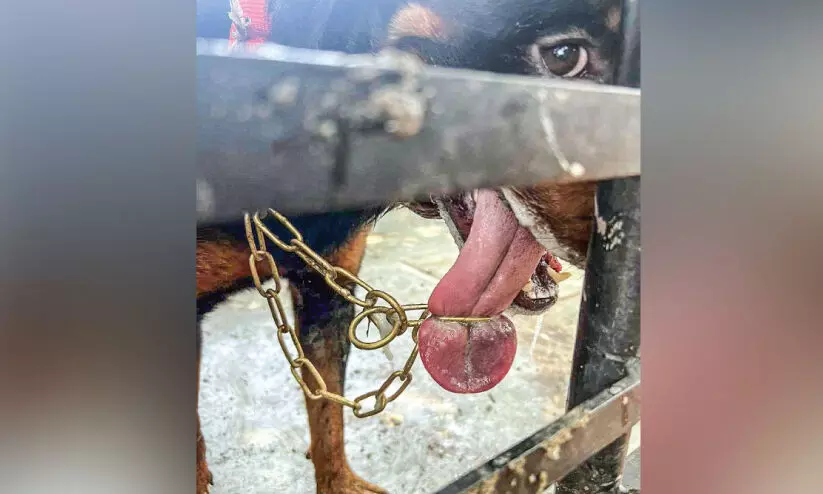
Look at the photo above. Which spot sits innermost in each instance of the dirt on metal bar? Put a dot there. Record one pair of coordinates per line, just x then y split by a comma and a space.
306, 131
551, 453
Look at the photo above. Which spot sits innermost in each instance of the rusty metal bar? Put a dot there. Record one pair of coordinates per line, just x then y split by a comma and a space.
609, 331
608, 335
307, 131
545, 457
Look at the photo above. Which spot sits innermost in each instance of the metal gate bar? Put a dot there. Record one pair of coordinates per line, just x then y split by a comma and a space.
604, 391
305, 131
607, 344
608, 335
546, 456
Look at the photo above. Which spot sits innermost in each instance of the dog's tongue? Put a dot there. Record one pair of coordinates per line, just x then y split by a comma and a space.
497, 260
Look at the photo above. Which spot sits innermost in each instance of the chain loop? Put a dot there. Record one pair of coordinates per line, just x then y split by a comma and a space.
344, 292
321, 384
264, 230
340, 281
380, 404
404, 378
261, 240
293, 361
254, 258
313, 259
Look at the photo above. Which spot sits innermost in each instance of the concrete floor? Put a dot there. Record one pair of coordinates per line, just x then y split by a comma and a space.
252, 411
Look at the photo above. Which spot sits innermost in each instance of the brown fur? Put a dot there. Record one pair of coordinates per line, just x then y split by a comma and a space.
203, 478
350, 256
220, 264
332, 472
327, 350
414, 20
567, 209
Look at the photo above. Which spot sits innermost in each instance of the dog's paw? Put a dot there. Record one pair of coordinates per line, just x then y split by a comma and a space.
204, 480
349, 483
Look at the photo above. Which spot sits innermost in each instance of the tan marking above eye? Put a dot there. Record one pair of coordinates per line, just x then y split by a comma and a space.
415, 20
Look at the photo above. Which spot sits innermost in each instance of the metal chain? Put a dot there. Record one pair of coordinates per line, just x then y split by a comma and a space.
256, 234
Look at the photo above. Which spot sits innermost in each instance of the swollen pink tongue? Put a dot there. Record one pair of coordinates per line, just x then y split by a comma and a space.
467, 358
498, 258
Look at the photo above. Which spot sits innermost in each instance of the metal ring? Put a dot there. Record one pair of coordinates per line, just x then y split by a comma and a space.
363, 345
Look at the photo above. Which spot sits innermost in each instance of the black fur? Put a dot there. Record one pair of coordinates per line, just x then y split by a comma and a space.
487, 35
355, 24
319, 311
484, 35
322, 232
493, 36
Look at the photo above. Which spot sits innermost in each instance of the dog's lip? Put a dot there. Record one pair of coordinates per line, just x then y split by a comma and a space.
460, 209
544, 282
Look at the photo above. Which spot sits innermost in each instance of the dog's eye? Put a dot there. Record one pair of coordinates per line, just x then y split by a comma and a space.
563, 59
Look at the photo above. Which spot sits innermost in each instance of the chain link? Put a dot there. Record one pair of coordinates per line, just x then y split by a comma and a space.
339, 280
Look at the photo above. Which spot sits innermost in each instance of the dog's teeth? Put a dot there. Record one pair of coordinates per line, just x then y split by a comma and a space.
530, 289
558, 277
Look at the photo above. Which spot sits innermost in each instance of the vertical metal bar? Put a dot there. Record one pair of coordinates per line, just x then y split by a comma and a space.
608, 335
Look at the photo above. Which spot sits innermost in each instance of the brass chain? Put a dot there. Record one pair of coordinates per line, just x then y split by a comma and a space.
256, 234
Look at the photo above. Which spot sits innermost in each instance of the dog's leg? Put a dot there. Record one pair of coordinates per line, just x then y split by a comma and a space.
204, 478
222, 262
203, 475
323, 319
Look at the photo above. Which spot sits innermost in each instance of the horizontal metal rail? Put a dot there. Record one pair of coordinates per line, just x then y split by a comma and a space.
306, 131
548, 455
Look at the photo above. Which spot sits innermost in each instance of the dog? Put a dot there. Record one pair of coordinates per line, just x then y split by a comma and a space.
512, 233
